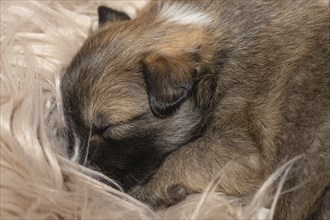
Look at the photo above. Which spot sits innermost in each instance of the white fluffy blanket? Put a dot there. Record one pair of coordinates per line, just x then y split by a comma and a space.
38, 181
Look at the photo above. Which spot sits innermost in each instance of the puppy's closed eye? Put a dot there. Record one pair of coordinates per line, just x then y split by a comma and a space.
116, 130
101, 124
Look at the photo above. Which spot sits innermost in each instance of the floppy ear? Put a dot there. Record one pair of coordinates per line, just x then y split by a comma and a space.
110, 15
169, 81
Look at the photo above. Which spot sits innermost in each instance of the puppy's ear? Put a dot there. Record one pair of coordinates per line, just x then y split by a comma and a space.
169, 81
110, 15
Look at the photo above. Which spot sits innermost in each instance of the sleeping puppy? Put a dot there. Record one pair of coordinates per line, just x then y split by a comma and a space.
188, 89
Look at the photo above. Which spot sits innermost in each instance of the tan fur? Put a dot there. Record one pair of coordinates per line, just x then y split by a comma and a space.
239, 96
37, 181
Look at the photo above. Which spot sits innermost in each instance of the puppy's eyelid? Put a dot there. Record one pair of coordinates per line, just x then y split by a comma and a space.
100, 124
101, 129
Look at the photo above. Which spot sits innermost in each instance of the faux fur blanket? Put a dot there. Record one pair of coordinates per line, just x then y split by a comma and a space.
38, 180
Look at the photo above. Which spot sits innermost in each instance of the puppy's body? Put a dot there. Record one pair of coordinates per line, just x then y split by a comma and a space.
166, 101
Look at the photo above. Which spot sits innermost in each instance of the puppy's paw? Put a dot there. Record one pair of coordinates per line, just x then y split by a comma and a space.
163, 197
152, 197
177, 193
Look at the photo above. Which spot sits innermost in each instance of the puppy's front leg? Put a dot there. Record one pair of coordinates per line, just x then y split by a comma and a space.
192, 167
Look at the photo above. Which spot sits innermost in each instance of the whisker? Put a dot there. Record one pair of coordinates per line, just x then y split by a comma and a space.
76, 153
87, 147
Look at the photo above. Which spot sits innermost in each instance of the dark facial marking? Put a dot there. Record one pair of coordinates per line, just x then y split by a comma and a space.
130, 161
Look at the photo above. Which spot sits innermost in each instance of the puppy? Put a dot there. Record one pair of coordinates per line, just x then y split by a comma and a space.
188, 89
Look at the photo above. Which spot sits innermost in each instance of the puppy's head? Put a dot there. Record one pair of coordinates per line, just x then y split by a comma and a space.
133, 94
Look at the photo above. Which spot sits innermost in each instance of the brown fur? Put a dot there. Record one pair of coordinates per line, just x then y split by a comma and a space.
169, 105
